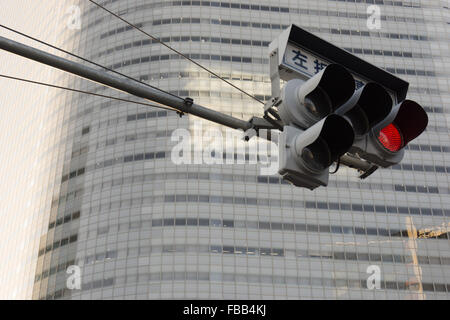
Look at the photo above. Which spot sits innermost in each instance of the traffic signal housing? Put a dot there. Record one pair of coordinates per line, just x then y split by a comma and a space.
304, 103
305, 155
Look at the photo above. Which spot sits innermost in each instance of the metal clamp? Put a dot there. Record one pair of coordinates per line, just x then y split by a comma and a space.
188, 101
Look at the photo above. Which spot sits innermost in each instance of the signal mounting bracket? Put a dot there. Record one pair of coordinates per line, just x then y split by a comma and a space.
364, 167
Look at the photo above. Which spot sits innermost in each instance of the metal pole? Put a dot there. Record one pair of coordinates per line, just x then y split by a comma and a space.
123, 84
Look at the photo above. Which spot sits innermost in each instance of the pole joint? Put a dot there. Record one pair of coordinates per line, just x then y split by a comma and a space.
189, 101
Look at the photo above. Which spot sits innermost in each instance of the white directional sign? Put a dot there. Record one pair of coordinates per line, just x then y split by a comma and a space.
300, 54
307, 63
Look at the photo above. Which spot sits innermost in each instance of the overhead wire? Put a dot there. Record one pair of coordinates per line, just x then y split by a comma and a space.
176, 51
86, 92
83, 59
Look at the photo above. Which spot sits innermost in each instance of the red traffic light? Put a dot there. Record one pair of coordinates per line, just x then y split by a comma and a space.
391, 138
409, 122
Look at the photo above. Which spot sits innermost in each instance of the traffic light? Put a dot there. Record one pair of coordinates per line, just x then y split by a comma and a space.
306, 102
313, 137
323, 119
384, 144
305, 156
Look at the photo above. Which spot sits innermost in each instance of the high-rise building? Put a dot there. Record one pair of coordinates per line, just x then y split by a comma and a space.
139, 226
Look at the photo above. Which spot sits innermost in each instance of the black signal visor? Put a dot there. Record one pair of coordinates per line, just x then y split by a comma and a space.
338, 83
411, 120
375, 102
338, 135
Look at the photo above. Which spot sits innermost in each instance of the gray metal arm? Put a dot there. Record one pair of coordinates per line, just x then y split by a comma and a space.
123, 84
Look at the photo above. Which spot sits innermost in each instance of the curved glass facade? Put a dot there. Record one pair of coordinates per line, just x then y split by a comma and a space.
141, 227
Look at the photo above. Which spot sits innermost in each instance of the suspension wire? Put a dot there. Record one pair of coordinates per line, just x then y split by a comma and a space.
176, 51
84, 59
86, 92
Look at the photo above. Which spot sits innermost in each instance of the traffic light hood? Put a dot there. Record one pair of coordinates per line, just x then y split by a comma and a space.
334, 80
370, 105
304, 103
334, 130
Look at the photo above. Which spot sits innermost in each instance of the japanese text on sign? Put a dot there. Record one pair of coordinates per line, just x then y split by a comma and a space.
304, 62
